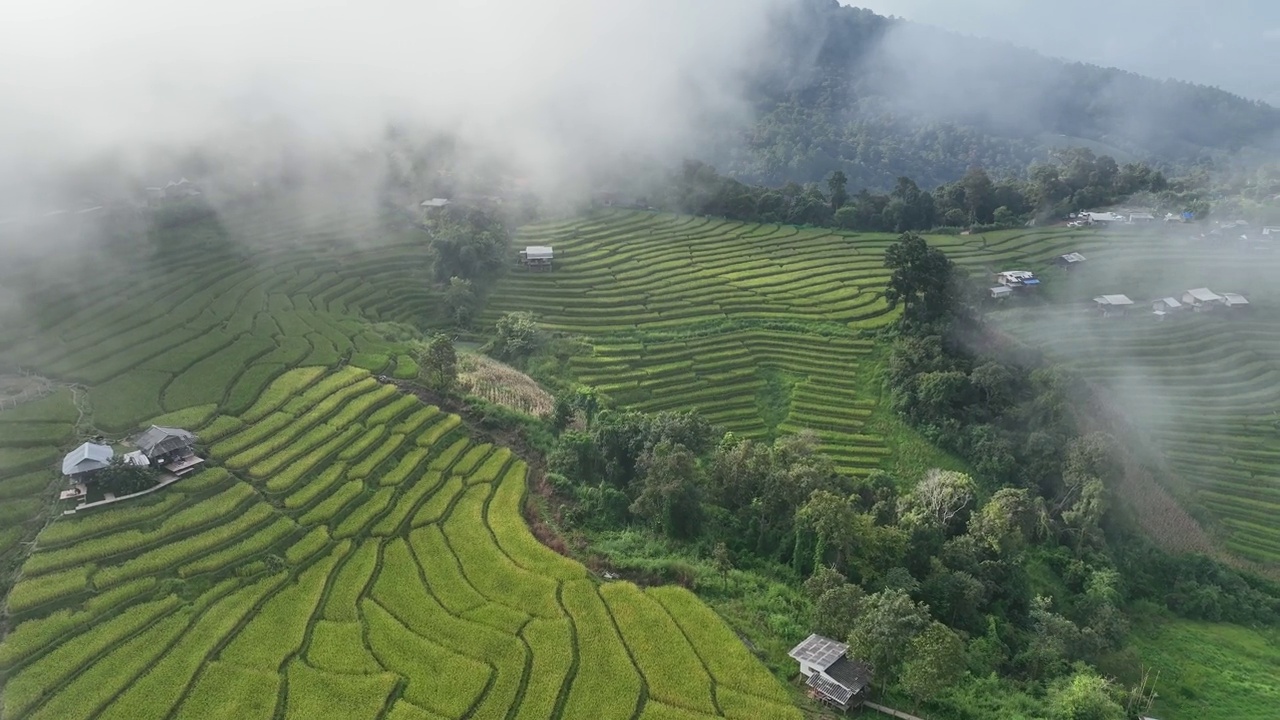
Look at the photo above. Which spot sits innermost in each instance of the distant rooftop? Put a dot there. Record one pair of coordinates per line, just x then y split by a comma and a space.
1204, 295
85, 458
1074, 257
1118, 300
818, 651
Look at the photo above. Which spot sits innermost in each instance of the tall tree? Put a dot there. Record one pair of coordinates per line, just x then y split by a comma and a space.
438, 364
935, 662
837, 187
883, 631
670, 494
921, 280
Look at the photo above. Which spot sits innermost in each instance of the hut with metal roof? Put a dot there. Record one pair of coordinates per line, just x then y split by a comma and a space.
161, 443
831, 676
1113, 305
86, 459
538, 257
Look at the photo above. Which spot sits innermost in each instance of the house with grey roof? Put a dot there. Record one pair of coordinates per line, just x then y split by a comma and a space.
1235, 300
1070, 260
86, 459
537, 257
830, 675
1113, 305
1201, 298
170, 449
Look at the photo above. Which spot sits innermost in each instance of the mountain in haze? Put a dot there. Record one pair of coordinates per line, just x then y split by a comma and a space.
842, 88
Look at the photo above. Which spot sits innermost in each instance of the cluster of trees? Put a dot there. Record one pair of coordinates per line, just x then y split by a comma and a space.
840, 88
469, 248
1074, 179
1021, 573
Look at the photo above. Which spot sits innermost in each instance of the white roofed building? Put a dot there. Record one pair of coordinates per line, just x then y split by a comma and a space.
1017, 278
1234, 300
831, 676
85, 459
1201, 298
1113, 305
537, 256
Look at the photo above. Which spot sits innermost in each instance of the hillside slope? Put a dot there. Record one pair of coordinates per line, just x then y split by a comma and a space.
841, 88
351, 552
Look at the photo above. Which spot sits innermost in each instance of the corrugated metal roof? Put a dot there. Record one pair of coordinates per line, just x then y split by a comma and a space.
818, 651
1204, 294
159, 440
87, 457
1234, 299
539, 252
829, 687
1113, 300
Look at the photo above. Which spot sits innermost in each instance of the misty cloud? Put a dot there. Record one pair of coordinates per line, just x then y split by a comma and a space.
548, 82
1229, 44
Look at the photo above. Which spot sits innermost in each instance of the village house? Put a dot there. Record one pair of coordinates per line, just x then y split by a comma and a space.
538, 257
831, 676
1166, 307
170, 448
1201, 299
1141, 217
1070, 260
434, 203
1235, 300
1113, 305
80, 466
1000, 292
1017, 279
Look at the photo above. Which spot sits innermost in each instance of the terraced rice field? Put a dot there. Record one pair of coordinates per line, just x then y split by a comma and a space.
1203, 388
348, 551
686, 311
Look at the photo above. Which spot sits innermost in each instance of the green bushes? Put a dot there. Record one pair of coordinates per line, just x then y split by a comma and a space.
351, 580
34, 681
722, 652
32, 592
607, 685
673, 672
339, 647
277, 629
310, 544
256, 543
442, 681
315, 693
279, 392
93, 687
171, 555
229, 691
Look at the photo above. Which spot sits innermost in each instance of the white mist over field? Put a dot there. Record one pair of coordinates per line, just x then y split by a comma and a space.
548, 82
1231, 44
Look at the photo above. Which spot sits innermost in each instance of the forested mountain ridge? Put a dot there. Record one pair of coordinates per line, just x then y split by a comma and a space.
842, 88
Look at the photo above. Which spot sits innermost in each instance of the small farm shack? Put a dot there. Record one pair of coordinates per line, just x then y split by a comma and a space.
1113, 305
1000, 292
1070, 260
1017, 279
170, 448
1141, 217
832, 677
1201, 298
538, 257
1165, 307
81, 463
80, 466
1235, 300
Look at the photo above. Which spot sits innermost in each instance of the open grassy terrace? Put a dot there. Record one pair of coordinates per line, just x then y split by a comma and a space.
755, 325
346, 552
1202, 388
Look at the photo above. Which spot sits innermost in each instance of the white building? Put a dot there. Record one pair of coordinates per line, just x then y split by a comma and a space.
836, 679
1113, 305
1201, 298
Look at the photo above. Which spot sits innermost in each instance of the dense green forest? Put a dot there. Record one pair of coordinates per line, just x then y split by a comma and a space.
841, 88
